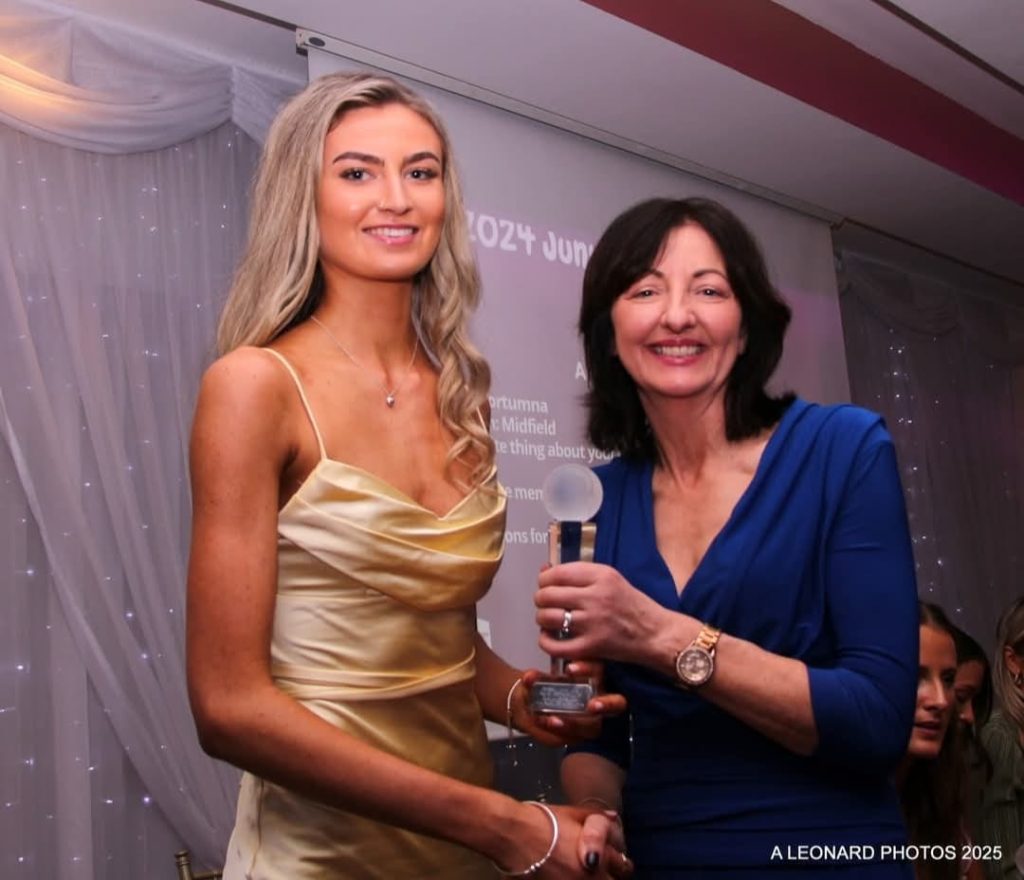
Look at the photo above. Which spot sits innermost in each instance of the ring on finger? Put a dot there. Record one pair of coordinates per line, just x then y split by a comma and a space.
566, 630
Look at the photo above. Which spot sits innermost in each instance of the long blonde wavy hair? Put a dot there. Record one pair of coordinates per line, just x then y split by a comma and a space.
279, 283
1009, 634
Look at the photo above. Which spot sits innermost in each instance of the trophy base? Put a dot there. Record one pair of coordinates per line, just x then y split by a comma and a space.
560, 697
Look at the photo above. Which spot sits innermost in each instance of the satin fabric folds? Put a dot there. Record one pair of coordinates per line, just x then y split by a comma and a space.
374, 631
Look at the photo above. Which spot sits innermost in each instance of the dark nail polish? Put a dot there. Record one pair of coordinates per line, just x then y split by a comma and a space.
591, 860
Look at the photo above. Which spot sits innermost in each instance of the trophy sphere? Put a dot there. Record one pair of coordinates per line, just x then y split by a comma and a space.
572, 493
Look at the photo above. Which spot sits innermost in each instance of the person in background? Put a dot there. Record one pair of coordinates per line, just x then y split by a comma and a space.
932, 779
972, 691
347, 518
753, 587
973, 686
1002, 814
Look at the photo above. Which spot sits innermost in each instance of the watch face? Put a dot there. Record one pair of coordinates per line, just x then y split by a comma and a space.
694, 666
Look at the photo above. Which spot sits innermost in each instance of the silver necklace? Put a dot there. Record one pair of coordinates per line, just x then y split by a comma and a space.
389, 395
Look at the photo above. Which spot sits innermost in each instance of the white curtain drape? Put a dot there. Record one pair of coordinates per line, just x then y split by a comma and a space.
125, 175
939, 351
76, 81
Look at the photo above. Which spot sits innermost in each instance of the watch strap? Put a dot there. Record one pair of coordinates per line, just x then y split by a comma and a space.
707, 638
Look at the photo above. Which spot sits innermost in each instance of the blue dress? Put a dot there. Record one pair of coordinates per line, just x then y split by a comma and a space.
814, 563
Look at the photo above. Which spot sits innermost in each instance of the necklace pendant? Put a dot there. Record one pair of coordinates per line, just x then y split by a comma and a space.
390, 400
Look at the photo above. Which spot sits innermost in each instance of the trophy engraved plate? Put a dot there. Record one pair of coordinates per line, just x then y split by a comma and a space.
572, 495
560, 697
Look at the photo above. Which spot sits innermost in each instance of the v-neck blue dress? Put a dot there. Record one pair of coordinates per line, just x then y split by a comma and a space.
814, 563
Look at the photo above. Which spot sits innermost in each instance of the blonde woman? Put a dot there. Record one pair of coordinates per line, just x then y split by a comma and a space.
347, 518
1002, 814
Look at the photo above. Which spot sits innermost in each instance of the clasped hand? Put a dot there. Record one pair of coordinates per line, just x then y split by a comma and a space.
584, 834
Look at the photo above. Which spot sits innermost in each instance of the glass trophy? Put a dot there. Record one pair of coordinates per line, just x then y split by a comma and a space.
572, 495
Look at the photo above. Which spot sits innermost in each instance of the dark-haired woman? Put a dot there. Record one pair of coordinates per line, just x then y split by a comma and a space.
1002, 819
972, 691
973, 686
932, 779
754, 586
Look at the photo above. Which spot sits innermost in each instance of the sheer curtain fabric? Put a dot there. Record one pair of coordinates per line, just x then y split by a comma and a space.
125, 172
939, 351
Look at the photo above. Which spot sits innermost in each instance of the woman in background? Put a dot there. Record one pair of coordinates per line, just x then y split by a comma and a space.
347, 518
1002, 817
972, 691
753, 589
932, 781
973, 686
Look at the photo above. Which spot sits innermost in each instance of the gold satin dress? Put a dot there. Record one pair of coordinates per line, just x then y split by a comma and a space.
374, 630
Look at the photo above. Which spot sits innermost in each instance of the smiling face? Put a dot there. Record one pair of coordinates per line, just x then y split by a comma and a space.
935, 699
679, 329
380, 201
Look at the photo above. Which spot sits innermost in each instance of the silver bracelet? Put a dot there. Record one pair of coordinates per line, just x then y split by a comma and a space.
530, 870
508, 706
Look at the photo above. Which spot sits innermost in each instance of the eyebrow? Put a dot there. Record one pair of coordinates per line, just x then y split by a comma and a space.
700, 273
370, 159
420, 157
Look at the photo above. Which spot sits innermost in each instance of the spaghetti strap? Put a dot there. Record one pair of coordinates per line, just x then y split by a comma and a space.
302, 397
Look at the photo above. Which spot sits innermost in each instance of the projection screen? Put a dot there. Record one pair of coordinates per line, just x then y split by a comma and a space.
538, 198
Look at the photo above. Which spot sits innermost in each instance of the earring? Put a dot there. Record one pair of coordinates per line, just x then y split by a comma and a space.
1018, 679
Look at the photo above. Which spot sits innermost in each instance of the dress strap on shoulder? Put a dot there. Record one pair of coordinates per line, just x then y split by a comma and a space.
302, 397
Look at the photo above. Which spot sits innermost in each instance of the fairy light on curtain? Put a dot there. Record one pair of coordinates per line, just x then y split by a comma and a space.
939, 351
113, 265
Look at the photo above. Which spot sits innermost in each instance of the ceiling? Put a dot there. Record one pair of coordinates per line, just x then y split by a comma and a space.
904, 116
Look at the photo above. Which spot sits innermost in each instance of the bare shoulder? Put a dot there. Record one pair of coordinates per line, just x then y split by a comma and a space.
245, 402
244, 376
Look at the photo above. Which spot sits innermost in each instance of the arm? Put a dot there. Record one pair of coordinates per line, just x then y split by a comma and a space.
856, 712
494, 682
864, 703
591, 778
765, 690
243, 441
494, 678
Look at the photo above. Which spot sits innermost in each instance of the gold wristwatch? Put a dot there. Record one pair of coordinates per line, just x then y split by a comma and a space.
696, 662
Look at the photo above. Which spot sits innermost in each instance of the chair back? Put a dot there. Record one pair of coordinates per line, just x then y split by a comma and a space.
183, 862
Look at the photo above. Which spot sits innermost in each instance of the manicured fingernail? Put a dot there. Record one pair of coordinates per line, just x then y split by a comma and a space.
591, 860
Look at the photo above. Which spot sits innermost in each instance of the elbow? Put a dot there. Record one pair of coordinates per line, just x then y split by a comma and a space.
803, 744
887, 730
218, 723
861, 726
212, 729
213, 740
231, 716
875, 748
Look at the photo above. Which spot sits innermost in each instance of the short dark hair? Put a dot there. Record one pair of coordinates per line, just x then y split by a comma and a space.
627, 251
